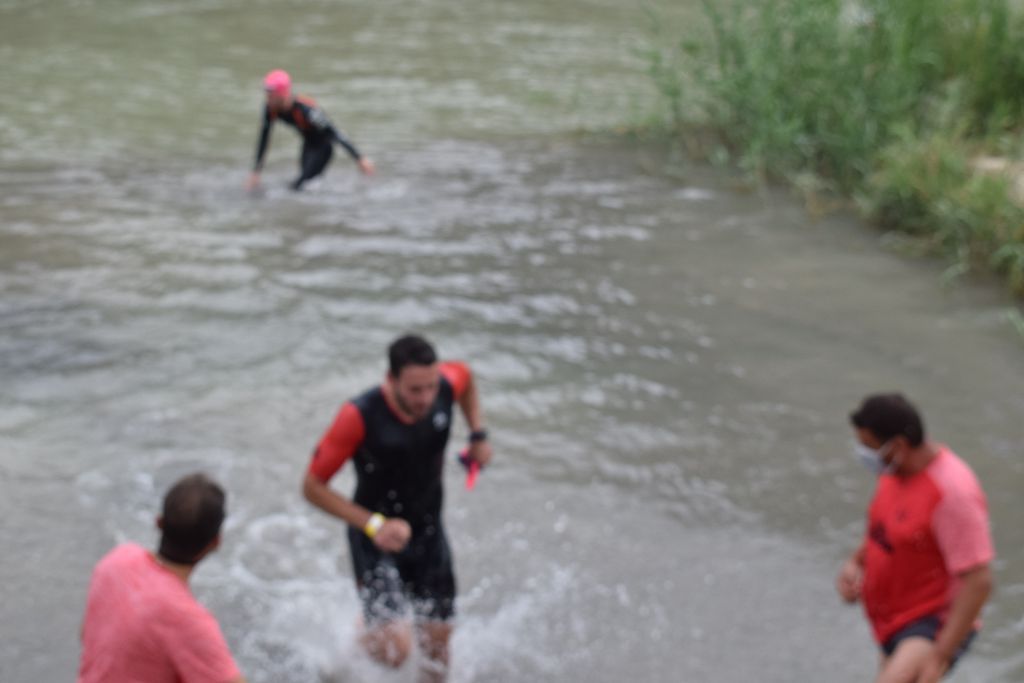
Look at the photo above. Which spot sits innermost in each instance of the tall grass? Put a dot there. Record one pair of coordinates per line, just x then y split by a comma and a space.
885, 101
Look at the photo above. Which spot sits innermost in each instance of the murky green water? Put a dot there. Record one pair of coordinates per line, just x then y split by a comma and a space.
666, 363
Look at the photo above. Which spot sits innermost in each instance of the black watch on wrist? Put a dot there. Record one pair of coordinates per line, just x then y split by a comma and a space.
478, 435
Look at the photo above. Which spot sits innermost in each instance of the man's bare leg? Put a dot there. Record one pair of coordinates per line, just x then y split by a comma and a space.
389, 643
433, 639
904, 665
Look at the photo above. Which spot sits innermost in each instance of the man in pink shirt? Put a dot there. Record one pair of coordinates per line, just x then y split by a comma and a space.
922, 571
142, 624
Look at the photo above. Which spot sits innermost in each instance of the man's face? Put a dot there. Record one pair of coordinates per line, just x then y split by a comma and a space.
889, 451
277, 100
415, 388
868, 438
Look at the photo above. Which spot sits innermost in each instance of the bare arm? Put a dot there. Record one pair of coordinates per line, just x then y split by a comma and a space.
975, 587
392, 535
469, 403
320, 494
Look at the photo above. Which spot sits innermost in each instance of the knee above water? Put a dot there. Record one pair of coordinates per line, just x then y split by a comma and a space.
395, 653
391, 649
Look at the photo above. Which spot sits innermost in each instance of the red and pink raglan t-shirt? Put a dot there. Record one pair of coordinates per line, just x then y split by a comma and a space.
923, 531
142, 624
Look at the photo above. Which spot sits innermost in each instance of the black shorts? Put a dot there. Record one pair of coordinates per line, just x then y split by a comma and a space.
419, 578
925, 627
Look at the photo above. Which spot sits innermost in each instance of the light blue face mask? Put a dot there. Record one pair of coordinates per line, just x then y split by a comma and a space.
873, 458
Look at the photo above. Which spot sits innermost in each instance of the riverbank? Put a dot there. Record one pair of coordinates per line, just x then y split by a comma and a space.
911, 115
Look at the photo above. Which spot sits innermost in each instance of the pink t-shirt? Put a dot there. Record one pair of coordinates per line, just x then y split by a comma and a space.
142, 625
923, 531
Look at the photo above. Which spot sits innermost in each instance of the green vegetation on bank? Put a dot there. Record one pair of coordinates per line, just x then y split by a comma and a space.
914, 109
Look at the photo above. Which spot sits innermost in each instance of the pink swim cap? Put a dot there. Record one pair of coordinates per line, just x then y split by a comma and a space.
278, 82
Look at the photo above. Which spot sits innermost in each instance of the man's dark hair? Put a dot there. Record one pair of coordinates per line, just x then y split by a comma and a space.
192, 515
888, 416
410, 349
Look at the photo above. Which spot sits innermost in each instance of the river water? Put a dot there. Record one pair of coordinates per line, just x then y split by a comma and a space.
666, 361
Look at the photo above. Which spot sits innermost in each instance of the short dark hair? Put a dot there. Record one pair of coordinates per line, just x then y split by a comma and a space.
888, 416
409, 349
192, 514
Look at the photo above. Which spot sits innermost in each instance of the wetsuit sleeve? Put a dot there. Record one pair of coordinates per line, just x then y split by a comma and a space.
261, 146
457, 374
339, 443
318, 120
345, 142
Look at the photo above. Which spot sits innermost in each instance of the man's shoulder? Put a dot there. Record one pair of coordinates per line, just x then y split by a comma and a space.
307, 105
953, 476
368, 404
123, 555
456, 374
368, 398
131, 570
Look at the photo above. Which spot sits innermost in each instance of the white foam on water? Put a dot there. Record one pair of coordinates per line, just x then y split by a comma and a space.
694, 194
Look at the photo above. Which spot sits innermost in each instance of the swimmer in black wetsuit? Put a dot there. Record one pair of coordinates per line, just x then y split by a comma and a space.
318, 133
395, 434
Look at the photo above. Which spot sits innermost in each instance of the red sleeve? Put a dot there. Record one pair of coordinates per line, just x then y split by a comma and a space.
960, 520
339, 443
961, 527
457, 374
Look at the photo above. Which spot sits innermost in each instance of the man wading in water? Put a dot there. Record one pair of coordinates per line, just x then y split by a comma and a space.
396, 435
922, 571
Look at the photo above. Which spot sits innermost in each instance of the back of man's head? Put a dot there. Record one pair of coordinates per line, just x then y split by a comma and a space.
192, 515
888, 416
410, 349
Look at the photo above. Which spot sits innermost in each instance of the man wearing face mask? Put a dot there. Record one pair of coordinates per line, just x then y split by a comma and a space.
923, 571
396, 435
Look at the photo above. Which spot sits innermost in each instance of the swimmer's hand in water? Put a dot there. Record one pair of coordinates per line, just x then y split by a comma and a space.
252, 184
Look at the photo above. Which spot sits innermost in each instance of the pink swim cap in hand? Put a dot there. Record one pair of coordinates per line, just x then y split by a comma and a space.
278, 82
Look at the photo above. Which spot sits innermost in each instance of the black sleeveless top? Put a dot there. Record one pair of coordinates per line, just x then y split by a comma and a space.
399, 465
